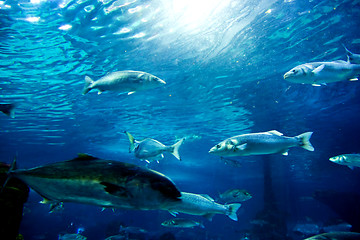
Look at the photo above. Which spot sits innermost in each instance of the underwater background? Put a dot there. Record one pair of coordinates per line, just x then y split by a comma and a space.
223, 62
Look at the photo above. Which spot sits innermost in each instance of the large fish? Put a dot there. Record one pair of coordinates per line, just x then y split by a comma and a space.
317, 73
8, 109
123, 81
336, 236
152, 150
261, 143
104, 183
350, 160
203, 205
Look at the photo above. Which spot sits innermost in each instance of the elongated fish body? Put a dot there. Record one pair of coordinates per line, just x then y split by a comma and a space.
152, 150
235, 195
181, 223
350, 160
336, 236
323, 72
203, 205
123, 81
261, 143
353, 58
99, 182
8, 109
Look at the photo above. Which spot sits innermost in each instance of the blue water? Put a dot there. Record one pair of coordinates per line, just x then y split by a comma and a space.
223, 62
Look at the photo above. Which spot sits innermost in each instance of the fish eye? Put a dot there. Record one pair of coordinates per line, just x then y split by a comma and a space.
218, 146
293, 70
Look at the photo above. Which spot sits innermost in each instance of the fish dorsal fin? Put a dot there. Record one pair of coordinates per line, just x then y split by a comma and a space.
84, 157
207, 197
274, 132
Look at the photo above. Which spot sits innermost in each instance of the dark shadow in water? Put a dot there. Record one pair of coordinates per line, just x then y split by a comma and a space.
345, 204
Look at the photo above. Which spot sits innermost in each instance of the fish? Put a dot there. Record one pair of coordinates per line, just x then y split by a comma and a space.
152, 150
336, 236
8, 109
203, 205
235, 195
71, 236
352, 57
105, 183
261, 143
349, 160
117, 237
181, 223
123, 81
338, 227
320, 73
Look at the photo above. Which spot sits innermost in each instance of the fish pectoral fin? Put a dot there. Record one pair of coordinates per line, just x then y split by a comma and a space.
116, 190
173, 213
209, 216
318, 69
241, 147
207, 197
129, 93
100, 92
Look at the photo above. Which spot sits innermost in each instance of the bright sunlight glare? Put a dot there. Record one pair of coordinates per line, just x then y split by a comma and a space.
194, 13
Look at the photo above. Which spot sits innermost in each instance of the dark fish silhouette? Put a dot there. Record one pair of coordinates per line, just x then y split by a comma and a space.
104, 183
8, 109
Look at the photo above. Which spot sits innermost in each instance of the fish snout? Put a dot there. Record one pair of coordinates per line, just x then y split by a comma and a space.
286, 75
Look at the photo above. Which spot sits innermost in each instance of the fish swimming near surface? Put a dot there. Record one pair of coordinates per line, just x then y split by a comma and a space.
353, 58
104, 183
181, 223
152, 150
203, 205
350, 160
123, 81
235, 195
317, 73
261, 143
336, 236
8, 109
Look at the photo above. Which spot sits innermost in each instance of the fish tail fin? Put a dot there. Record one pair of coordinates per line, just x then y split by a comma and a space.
348, 54
12, 168
131, 140
175, 148
232, 210
305, 141
9, 110
87, 86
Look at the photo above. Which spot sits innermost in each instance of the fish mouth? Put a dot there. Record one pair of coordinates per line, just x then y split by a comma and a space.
286, 75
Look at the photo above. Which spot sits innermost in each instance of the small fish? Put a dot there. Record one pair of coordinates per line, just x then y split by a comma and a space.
336, 236
235, 195
317, 73
72, 236
123, 81
128, 230
203, 205
352, 57
350, 160
181, 223
104, 183
151, 149
8, 109
261, 143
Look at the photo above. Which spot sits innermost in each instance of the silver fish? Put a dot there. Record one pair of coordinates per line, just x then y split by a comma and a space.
336, 236
317, 73
261, 143
72, 236
152, 150
350, 160
181, 223
123, 81
104, 183
353, 58
235, 195
203, 205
